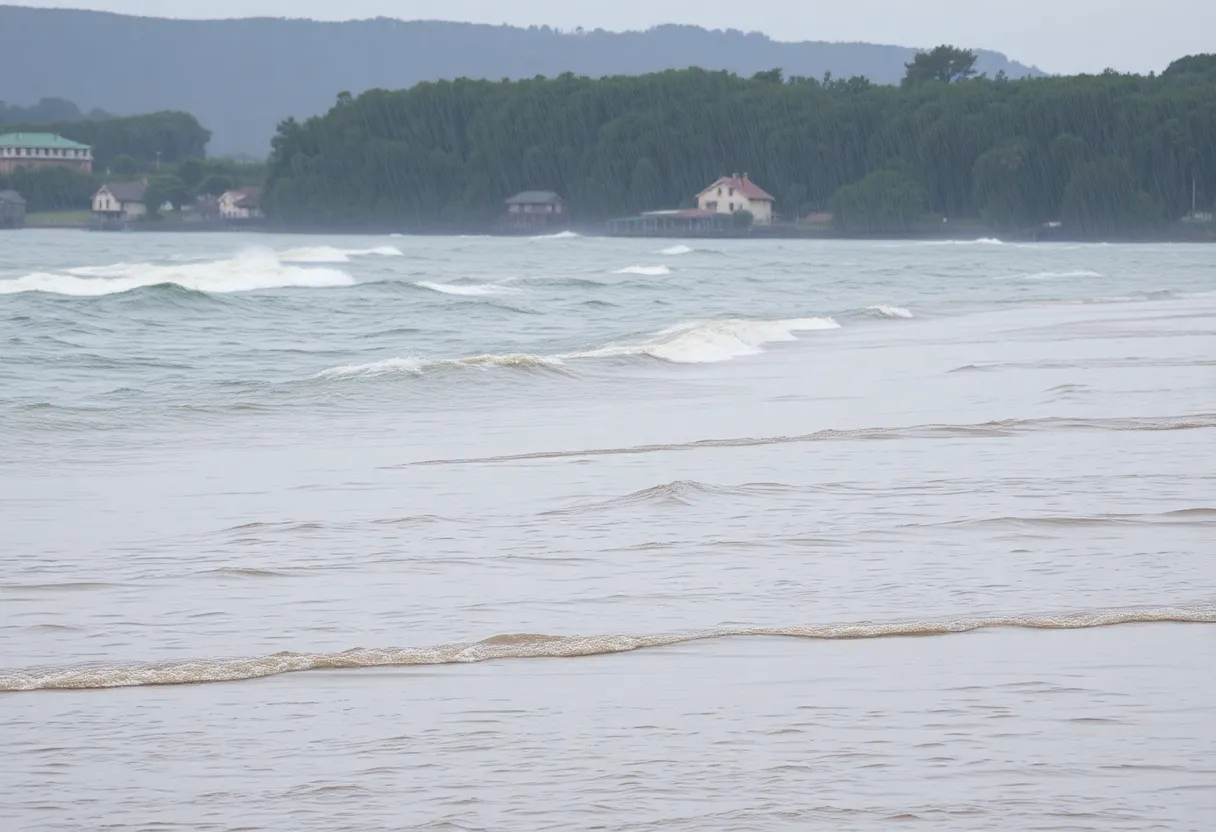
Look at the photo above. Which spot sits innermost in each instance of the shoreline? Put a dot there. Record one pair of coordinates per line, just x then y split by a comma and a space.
1181, 233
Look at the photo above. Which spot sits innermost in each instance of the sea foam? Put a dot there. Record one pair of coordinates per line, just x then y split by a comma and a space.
645, 271
532, 646
330, 254
697, 342
470, 290
675, 251
708, 342
244, 273
884, 311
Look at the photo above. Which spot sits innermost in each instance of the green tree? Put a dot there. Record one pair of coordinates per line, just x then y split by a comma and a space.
123, 165
215, 184
1102, 199
165, 189
1002, 180
192, 172
945, 64
1197, 64
743, 219
886, 201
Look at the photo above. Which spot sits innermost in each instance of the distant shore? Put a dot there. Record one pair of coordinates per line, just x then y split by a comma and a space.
957, 232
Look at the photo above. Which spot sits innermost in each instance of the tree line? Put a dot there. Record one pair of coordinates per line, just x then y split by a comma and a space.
1105, 152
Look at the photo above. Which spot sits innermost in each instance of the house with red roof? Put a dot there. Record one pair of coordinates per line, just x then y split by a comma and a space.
731, 194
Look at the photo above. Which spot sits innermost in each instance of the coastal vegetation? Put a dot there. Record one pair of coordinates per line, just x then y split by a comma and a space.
1106, 153
168, 148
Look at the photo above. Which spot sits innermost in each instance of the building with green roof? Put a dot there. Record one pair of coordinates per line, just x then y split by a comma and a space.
37, 150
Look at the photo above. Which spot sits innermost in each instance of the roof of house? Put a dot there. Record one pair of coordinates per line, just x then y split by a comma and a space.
126, 191
11, 196
535, 198
250, 198
39, 140
743, 185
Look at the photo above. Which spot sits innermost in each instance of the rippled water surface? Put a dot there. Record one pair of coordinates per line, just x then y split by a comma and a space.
572, 533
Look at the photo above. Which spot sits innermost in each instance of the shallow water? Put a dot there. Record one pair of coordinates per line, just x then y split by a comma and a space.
577, 533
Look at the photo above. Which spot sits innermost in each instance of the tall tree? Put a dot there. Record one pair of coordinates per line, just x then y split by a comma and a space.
945, 64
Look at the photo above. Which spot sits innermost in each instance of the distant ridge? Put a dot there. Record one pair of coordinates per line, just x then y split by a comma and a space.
241, 76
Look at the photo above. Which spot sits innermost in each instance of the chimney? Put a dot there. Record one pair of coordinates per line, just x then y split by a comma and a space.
745, 179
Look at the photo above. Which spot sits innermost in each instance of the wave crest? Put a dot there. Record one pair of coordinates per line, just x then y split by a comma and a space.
645, 271
531, 646
466, 290
708, 342
330, 254
698, 342
244, 273
419, 366
884, 311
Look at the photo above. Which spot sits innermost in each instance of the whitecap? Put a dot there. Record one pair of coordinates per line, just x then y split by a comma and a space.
885, 311
1055, 275
247, 272
645, 271
675, 251
707, 342
561, 235
418, 366
470, 290
697, 342
330, 254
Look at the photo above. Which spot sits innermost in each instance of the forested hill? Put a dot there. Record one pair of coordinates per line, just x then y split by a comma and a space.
1105, 152
241, 77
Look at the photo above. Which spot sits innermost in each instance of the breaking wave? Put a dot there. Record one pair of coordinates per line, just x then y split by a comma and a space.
532, 646
1055, 275
883, 311
244, 273
675, 251
469, 290
709, 342
329, 254
561, 235
419, 366
645, 271
699, 342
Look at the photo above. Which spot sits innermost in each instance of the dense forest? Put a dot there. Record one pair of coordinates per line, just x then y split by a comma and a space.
241, 77
1104, 153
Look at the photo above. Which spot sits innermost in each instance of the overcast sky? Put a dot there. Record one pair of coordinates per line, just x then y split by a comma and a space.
1062, 36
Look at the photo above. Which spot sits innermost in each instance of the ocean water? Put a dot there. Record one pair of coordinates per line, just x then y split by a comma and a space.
576, 533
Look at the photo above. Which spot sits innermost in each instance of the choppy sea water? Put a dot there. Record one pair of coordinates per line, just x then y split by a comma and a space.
565, 533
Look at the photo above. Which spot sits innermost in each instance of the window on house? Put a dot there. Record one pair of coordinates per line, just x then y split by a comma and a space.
719, 192
732, 191
732, 207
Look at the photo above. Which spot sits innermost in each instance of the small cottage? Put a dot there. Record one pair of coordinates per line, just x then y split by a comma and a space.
120, 201
12, 210
732, 194
536, 211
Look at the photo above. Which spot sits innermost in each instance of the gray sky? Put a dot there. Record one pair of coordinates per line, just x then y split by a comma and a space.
1063, 36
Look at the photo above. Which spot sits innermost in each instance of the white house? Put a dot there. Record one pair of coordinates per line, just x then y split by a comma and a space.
241, 204
120, 201
731, 194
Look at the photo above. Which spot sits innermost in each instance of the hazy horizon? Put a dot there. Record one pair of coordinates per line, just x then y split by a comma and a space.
1065, 36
